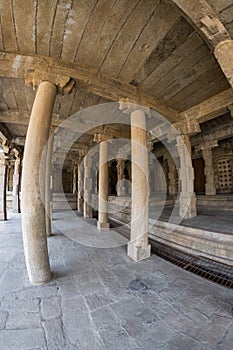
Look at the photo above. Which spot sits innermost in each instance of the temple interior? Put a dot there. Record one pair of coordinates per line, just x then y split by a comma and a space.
116, 174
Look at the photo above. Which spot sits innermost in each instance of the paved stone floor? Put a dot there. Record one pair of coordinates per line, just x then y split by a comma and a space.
207, 222
100, 299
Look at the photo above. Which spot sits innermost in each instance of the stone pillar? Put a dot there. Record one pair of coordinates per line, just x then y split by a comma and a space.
180, 132
48, 186
10, 176
151, 175
138, 247
3, 184
33, 211
121, 190
172, 178
87, 209
103, 223
74, 178
186, 177
207, 153
80, 186
16, 186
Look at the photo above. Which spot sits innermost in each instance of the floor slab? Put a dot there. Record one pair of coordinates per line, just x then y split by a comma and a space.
101, 299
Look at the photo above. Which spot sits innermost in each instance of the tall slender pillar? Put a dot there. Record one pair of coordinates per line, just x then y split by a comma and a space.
181, 131
207, 153
103, 223
16, 186
10, 176
186, 177
80, 186
121, 190
3, 184
33, 211
138, 247
74, 178
48, 187
87, 209
172, 177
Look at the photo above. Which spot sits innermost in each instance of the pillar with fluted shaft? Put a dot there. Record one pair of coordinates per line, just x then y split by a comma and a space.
33, 211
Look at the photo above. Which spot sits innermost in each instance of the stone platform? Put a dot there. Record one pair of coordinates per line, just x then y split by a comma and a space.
100, 299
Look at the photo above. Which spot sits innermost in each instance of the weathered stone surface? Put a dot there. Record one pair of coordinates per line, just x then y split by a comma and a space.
50, 308
22, 339
54, 334
108, 306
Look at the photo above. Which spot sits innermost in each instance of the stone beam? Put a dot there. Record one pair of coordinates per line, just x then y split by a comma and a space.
204, 19
220, 134
18, 66
208, 107
22, 118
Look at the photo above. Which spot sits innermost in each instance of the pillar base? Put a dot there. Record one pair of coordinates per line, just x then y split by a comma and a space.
3, 216
188, 207
80, 205
103, 226
137, 252
40, 283
87, 212
15, 204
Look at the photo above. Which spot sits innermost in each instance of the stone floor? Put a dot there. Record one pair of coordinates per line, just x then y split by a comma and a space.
100, 299
207, 222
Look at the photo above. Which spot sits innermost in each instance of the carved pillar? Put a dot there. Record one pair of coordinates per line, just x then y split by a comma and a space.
207, 153
182, 130
103, 223
121, 190
3, 184
87, 209
172, 177
74, 178
138, 247
16, 186
10, 176
33, 211
80, 185
186, 178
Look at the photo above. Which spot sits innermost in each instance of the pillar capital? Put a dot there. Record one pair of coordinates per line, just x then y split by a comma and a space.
188, 126
4, 161
6, 147
98, 138
129, 106
63, 83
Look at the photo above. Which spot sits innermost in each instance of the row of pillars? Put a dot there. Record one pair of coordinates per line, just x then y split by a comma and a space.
138, 247
34, 218
36, 223
4, 164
